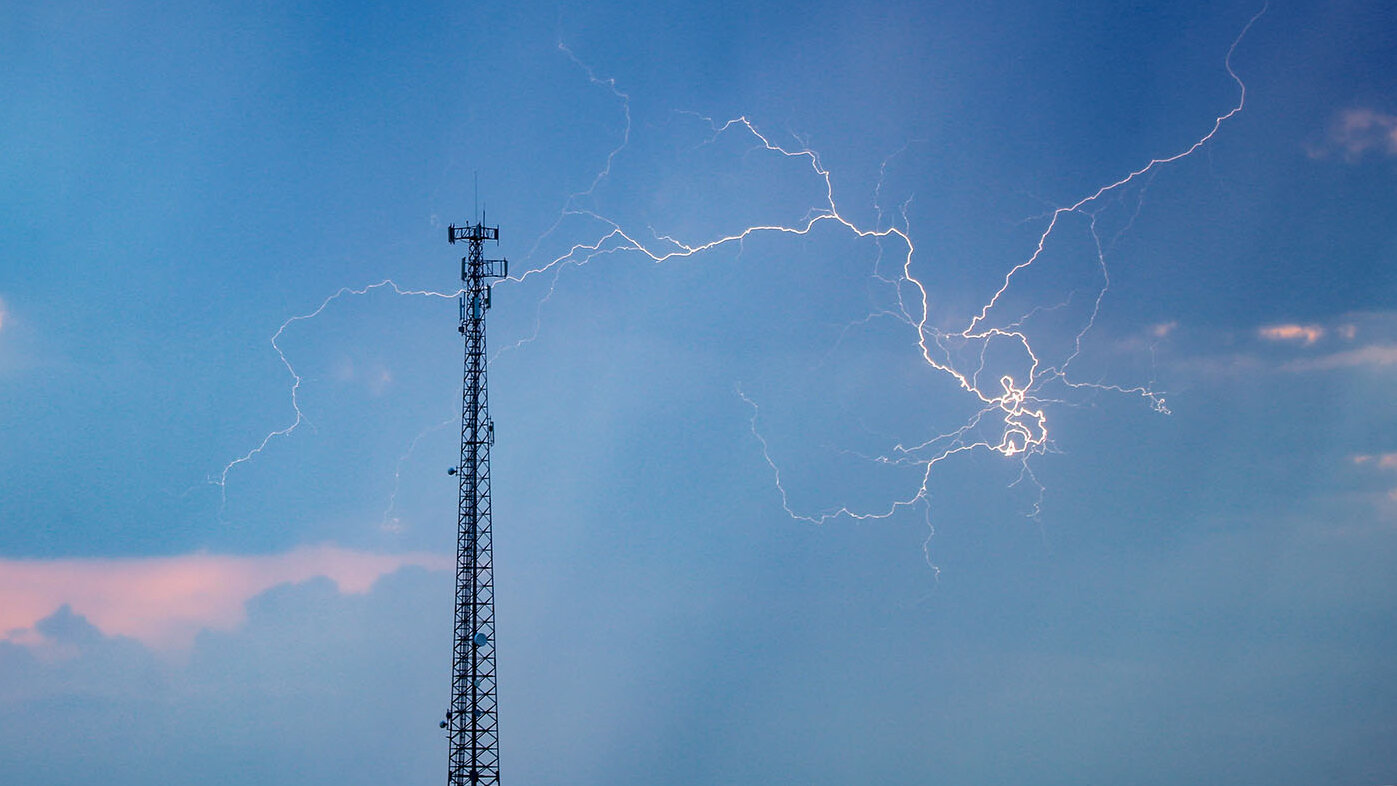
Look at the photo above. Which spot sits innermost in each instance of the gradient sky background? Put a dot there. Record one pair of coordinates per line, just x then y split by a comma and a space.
1207, 596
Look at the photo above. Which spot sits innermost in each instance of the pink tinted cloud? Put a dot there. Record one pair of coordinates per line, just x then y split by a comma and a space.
165, 601
1380, 460
1305, 334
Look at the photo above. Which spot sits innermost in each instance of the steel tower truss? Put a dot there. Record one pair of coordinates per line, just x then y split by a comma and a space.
472, 722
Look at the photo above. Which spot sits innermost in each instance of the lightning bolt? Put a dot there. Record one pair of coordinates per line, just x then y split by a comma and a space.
1011, 419
1014, 405
221, 480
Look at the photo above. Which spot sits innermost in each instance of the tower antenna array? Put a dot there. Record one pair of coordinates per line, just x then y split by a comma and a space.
472, 721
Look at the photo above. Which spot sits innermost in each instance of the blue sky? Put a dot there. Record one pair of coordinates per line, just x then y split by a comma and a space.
1202, 595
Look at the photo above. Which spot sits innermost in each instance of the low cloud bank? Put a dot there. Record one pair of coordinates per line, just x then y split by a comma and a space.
165, 601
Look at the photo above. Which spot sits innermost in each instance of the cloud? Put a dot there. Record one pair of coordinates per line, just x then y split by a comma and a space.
374, 376
1372, 356
1356, 132
1306, 334
1377, 349
1379, 460
165, 601
1163, 329
3, 313
1356, 340
346, 687
1382, 462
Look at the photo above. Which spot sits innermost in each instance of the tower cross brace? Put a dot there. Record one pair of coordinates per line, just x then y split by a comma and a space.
472, 721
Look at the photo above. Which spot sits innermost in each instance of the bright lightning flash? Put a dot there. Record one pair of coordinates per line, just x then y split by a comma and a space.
1012, 409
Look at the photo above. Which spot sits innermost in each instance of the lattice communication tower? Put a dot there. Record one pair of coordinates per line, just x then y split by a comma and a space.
473, 722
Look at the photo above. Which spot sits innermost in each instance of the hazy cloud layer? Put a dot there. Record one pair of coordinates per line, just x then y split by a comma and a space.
316, 687
1372, 356
1380, 460
165, 601
1352, 341
626, 678
1355, 133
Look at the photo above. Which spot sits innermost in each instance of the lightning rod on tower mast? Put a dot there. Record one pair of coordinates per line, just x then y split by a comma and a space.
472, 723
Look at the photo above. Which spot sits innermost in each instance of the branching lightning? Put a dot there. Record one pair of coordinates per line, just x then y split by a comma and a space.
1011, 407
222, 480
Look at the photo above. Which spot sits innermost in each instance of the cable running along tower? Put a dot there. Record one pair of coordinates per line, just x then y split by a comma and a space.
472, 722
